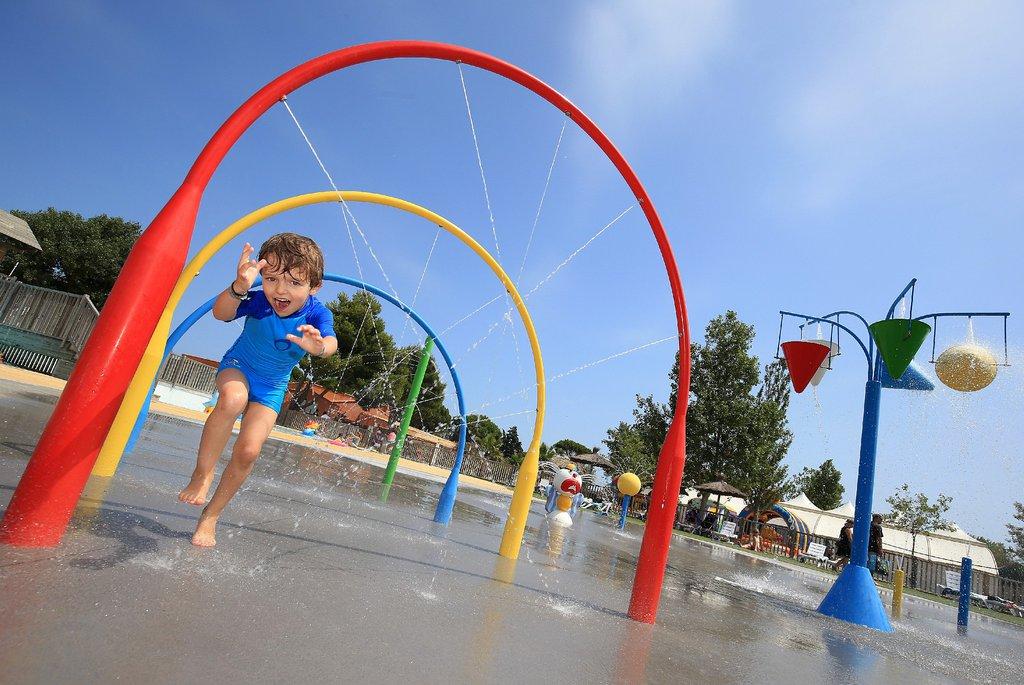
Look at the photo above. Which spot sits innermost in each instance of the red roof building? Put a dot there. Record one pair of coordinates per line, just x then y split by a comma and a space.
338, 405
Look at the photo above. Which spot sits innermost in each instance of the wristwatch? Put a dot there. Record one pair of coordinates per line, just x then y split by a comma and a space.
241, 297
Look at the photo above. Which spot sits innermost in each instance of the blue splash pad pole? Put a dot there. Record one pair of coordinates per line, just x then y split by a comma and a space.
626, 499
963, 613
854, 597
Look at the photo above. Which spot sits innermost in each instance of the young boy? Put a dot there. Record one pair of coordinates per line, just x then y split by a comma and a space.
283, 323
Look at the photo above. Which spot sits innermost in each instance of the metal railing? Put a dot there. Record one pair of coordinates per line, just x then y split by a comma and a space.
24, 359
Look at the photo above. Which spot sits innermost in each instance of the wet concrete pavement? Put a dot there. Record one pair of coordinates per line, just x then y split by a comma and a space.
314, 580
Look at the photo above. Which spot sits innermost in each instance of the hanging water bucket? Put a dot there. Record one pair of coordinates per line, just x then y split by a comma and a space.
912, 379
804, 358
966, 367
898, 340
826, 364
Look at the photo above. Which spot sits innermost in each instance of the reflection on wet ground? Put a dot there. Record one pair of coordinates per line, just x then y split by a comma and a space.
315, 580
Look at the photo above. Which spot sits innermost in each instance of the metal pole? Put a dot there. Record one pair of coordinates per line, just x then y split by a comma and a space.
898, 579
625, 507
410, 406
854, 596
866, 473
964, 610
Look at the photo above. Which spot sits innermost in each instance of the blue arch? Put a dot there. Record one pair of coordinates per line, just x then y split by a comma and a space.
446, 502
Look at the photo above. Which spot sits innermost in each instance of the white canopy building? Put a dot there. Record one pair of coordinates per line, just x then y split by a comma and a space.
943, 547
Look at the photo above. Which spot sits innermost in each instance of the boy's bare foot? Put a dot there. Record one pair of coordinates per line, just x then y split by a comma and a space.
195, 491
206, 531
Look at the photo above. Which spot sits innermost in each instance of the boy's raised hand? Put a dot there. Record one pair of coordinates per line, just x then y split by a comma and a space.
311, 340
248, 268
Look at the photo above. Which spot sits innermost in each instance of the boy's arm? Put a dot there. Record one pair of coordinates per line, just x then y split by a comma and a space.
330, 346
314, 343
225, 308
317, 337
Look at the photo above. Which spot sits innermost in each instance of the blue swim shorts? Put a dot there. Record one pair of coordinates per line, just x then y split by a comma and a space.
269, 394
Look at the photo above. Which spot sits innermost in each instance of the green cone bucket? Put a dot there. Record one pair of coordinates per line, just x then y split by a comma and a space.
898, 340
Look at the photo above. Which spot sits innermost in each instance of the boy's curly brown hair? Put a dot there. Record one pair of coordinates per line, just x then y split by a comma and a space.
297, 254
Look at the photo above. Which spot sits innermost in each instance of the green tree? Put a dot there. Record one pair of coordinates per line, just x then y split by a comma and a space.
569, 448
483, 433
821, 485
763, 474
545, 452
915, 514
511, 447
731, 430
369, 367
79, 255
431, 414
636, 446
1008, 563
1017, 532
365, 352
627, 451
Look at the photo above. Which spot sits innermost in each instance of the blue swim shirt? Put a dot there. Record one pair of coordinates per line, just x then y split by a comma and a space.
263, 345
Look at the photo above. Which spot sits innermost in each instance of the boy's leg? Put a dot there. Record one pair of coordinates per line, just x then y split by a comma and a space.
233, 396
256, 426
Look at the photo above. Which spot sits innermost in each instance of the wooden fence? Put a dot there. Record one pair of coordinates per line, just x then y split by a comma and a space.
64, 316
188, 373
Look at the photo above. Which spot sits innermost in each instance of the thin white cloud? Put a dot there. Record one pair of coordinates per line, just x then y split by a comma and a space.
634, 57
904, 76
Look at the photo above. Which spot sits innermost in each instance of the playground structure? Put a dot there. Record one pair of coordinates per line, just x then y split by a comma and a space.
51, 485
446, 501
853, 597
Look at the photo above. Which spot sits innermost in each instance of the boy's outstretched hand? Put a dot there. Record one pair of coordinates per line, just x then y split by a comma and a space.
311, 340
248, 269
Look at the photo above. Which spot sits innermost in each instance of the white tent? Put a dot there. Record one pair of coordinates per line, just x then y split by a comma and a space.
845, 509
733, 504
945, 547
801, 501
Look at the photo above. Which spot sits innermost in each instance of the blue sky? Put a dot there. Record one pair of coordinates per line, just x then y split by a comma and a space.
806, 157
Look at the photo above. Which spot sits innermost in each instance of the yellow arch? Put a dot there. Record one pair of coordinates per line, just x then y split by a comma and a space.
117, 438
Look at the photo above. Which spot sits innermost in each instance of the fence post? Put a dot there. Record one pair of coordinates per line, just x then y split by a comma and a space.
433, 457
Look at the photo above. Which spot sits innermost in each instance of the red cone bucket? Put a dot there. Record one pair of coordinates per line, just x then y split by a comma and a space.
804, 357
898, 340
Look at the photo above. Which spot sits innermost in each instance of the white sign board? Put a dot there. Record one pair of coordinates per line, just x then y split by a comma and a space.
953, 579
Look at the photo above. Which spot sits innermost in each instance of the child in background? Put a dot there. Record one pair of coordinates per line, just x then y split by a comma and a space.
283, 323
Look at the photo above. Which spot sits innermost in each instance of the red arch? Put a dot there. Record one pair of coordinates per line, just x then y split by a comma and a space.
52, 483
